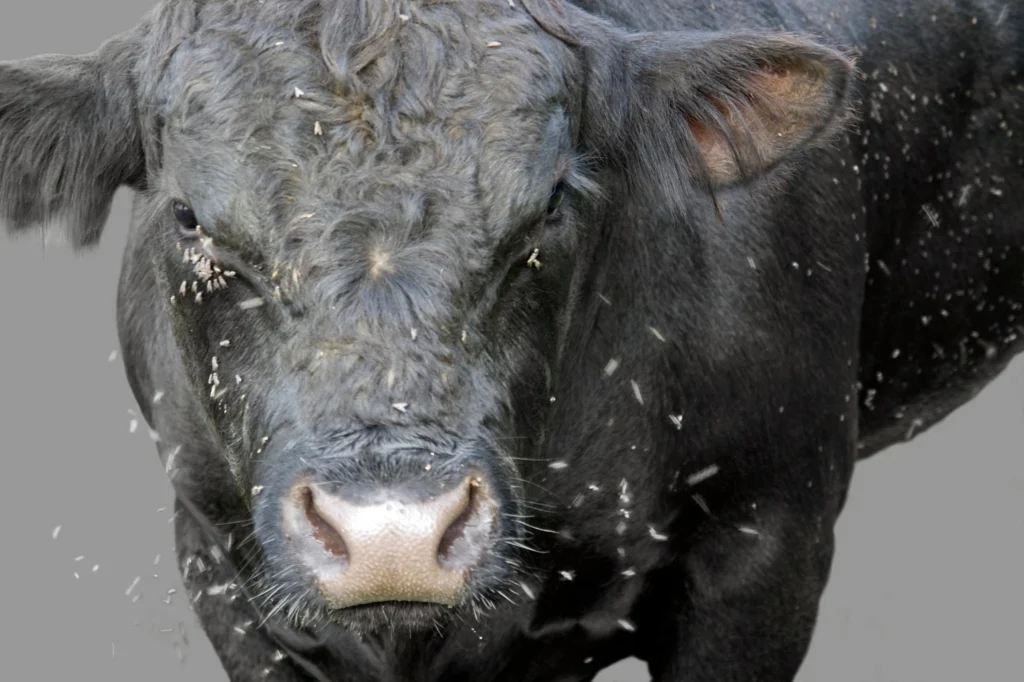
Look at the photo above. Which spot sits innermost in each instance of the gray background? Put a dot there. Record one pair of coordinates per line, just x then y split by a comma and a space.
926, 583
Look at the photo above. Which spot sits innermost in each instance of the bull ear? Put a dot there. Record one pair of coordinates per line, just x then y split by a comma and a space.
70, 136
728, 106
749, 100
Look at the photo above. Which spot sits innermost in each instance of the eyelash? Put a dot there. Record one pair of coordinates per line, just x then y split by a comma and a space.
556, 201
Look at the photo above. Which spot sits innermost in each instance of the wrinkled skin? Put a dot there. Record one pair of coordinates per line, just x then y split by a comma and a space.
645, 273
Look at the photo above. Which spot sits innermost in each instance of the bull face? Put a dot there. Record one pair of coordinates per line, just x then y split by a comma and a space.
364, 235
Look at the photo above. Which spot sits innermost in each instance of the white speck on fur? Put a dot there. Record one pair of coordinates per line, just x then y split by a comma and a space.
636, 391
401, 407
170, 458
965, 192
914, 426
558, 465
660, 537
610, 368
702, 475
532, 261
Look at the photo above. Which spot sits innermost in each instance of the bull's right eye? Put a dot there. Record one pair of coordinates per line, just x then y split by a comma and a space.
185, 216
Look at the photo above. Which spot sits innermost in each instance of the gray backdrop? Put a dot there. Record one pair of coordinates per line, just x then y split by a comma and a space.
926, 583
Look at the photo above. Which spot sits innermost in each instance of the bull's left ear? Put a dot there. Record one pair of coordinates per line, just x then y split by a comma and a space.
742, 102
70, 136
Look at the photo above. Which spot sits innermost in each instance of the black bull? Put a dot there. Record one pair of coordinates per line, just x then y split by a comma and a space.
512, 339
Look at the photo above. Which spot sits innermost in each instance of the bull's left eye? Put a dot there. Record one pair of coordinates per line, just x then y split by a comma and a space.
555, 202
185, 216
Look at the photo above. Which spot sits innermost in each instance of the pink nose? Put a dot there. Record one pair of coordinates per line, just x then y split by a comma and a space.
392, 549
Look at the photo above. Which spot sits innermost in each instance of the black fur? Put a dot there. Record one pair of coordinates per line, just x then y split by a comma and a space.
767, 265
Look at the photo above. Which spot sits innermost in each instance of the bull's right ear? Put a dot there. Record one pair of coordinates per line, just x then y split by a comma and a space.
70, 136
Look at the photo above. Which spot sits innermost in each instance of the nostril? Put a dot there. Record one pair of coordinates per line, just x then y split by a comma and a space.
464, 541
322, 530
458, 527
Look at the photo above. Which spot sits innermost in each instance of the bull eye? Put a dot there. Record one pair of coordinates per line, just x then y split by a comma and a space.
555, 202
185, 216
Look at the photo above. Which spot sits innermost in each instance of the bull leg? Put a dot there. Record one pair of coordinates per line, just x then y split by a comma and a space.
747, 607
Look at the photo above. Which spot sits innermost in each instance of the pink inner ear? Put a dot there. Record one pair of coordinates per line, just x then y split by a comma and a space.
707, 136
782, 102
713, 144
773, 79
788, 90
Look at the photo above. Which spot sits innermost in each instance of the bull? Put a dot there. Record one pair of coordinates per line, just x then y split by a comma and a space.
504, 339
